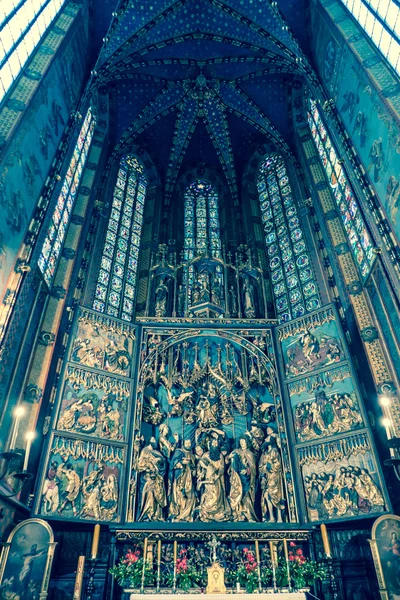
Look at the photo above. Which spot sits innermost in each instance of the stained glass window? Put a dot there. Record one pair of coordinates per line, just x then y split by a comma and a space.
381, 20
202, 232
293, 282
23, 23
57, 231
359, 239
202, 229
115, 290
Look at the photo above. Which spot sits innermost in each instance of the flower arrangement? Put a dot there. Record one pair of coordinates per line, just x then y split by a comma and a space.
247, 571
187, 574
129, 571
303, 571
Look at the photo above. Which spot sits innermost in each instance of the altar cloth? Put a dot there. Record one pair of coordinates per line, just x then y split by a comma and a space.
235, 596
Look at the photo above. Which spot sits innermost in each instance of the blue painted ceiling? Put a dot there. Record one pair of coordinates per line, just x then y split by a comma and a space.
199, 80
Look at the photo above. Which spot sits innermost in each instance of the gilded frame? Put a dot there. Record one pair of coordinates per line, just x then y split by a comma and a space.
51, 545
384, 591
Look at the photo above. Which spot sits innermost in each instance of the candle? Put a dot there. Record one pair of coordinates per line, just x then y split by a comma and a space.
238, 587
285, 548
272, 550
175, 551
145, 549
95, 541
159, 552
257, 551
79, 578
18, 412
29, 437
325, 541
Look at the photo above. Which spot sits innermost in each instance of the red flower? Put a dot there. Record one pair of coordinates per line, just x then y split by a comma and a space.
299, 552
291, 558
292, 544
245, 550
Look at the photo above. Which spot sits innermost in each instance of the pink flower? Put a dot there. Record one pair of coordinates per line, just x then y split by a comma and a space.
291, 558
299, 552
245, 550
292, 544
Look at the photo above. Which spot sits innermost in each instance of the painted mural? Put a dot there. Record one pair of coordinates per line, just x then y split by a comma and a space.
209, 430
82, 480
375, 135
341, 479
369, 122
103, 343
25, 166
93, 404
311, 343
324, 404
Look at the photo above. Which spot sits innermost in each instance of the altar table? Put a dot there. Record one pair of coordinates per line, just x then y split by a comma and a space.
133, 595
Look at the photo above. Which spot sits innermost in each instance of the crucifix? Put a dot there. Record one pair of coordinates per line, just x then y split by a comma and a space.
213, 547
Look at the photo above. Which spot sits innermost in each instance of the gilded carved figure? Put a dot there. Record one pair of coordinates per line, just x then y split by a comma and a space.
181, 483
214, 505
243, 477
272, 487
153, 465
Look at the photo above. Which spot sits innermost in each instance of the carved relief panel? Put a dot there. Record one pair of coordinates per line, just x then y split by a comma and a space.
83, 475
210, 440
335, 453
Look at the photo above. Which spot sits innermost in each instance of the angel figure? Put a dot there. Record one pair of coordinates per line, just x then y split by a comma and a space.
177, 402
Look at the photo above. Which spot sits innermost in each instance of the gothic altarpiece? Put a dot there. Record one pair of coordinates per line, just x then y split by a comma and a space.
216, 410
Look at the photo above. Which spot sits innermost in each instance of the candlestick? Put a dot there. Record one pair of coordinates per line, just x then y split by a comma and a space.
144, 564
274, 565
18, 413
257, 550
95, 541
79, 578
175, 559
285, 549
158, 564
325, 541
258, 565
29, 437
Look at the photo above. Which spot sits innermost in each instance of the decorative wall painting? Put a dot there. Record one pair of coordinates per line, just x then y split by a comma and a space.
385, 547
341, 479
103, 343
324, 404
311, 343
93, 404
26, 560
82, 480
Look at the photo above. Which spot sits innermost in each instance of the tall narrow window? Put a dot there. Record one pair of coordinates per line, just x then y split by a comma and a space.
23, 23
115, 290
202, 232
381, 20
293, 282
53, 243
359, 239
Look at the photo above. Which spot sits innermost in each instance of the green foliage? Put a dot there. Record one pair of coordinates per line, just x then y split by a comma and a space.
128, 572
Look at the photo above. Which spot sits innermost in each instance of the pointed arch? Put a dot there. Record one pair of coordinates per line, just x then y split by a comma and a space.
293, 281
202, 226
116, 282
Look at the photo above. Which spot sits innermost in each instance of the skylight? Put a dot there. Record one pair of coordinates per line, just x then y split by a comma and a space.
381, 20
23, 23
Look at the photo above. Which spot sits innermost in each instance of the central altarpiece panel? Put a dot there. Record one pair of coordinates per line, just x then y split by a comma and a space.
210, 439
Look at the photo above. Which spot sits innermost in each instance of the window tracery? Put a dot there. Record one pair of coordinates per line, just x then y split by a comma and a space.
22, 25
360, 242
115, 289
293, 282
57, 231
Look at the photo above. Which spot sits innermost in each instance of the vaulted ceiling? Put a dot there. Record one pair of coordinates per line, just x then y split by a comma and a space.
199, 80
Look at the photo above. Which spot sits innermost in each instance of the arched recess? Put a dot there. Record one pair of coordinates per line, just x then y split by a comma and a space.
240, 378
